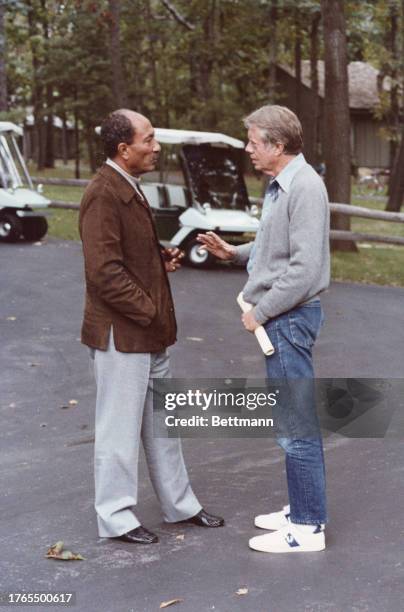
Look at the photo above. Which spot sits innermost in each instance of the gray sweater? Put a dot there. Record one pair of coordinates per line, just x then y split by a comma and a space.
292, 257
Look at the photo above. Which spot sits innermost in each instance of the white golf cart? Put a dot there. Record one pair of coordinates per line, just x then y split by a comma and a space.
209, 194
19, 202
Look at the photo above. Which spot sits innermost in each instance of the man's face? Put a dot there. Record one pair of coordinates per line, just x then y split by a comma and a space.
142, 154
264, 156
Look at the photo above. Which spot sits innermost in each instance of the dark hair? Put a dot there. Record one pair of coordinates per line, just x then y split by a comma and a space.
116, 128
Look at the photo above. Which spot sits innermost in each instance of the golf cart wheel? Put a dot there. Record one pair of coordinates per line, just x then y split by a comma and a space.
34, 228
10, 227
196, 258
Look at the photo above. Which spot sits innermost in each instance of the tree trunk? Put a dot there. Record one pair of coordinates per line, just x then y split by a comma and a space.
273, 50
158, 117
3, 75
37, 89
76, 138
49, 156
65, 149
118, 81
314, 53
396, 193
337, 146
193, 69
298, 59
90, 147
394, 111
207, 61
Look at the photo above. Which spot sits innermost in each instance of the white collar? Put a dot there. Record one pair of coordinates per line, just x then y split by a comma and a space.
129, 177
286, 175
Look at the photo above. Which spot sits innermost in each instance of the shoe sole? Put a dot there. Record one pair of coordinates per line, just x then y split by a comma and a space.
290, 550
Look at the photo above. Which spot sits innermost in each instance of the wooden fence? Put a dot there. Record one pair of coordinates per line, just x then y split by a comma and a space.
365, 213
342, 209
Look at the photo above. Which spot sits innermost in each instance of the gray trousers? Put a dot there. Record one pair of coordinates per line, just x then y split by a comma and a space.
124, 414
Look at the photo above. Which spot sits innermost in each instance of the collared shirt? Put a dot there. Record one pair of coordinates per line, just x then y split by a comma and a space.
286, 175
133, 180
282, 181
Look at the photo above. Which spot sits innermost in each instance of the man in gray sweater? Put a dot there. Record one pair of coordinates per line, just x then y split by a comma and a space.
288, 265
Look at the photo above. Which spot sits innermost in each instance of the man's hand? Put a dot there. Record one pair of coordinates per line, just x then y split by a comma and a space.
172, 259
215, 245
249, 321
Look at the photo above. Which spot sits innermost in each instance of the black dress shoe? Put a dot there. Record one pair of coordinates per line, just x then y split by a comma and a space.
203, 519
140, 535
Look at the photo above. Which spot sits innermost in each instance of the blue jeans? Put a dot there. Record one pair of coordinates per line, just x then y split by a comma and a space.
293, 335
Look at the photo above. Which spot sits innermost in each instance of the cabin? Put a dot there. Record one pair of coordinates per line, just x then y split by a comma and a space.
370, 148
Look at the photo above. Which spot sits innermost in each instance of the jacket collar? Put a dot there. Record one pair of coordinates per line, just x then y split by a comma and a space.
120, 185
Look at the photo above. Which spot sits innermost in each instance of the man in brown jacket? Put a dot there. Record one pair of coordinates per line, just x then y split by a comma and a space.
128, 324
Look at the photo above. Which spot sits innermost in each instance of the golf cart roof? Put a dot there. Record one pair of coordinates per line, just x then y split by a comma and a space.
7, 126
167, 136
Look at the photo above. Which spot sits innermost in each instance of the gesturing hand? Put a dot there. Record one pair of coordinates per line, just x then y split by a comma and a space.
215, 245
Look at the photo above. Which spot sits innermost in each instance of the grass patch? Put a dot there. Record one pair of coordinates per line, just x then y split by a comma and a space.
60, 171
377, 265
66, 194
64, 224
373, 226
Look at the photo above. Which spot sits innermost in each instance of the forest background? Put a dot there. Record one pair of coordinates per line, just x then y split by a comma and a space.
198, 64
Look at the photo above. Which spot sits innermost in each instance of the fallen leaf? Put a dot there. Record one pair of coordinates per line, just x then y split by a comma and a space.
180, 537
73, 402
11, 318
57, 552
172, 602
56, 548
68, 555
242, 591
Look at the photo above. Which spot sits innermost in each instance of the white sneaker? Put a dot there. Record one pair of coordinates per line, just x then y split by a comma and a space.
290, 539
273, 521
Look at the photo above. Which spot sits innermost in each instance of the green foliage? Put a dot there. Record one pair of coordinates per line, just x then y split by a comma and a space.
206, 77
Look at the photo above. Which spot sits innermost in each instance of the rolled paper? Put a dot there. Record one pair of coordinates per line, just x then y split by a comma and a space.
260, 332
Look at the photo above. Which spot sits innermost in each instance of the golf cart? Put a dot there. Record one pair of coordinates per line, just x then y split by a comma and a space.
209, 192
19, 202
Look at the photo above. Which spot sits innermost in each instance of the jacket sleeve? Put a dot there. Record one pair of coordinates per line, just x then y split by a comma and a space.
106, 274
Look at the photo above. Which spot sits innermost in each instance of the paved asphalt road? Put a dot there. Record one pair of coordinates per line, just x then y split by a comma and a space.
46, 457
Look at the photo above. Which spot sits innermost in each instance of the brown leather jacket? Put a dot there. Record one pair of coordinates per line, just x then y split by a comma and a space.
126, 281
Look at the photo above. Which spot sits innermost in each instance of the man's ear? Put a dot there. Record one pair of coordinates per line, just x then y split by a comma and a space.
280, 148
122, 150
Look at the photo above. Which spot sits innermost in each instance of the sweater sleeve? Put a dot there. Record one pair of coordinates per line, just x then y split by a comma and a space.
308, 241
243, 253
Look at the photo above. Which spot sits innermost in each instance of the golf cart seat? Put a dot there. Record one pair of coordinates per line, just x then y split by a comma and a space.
155, 195
178, 196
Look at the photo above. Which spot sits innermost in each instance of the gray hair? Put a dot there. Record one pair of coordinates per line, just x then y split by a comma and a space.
277, 124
